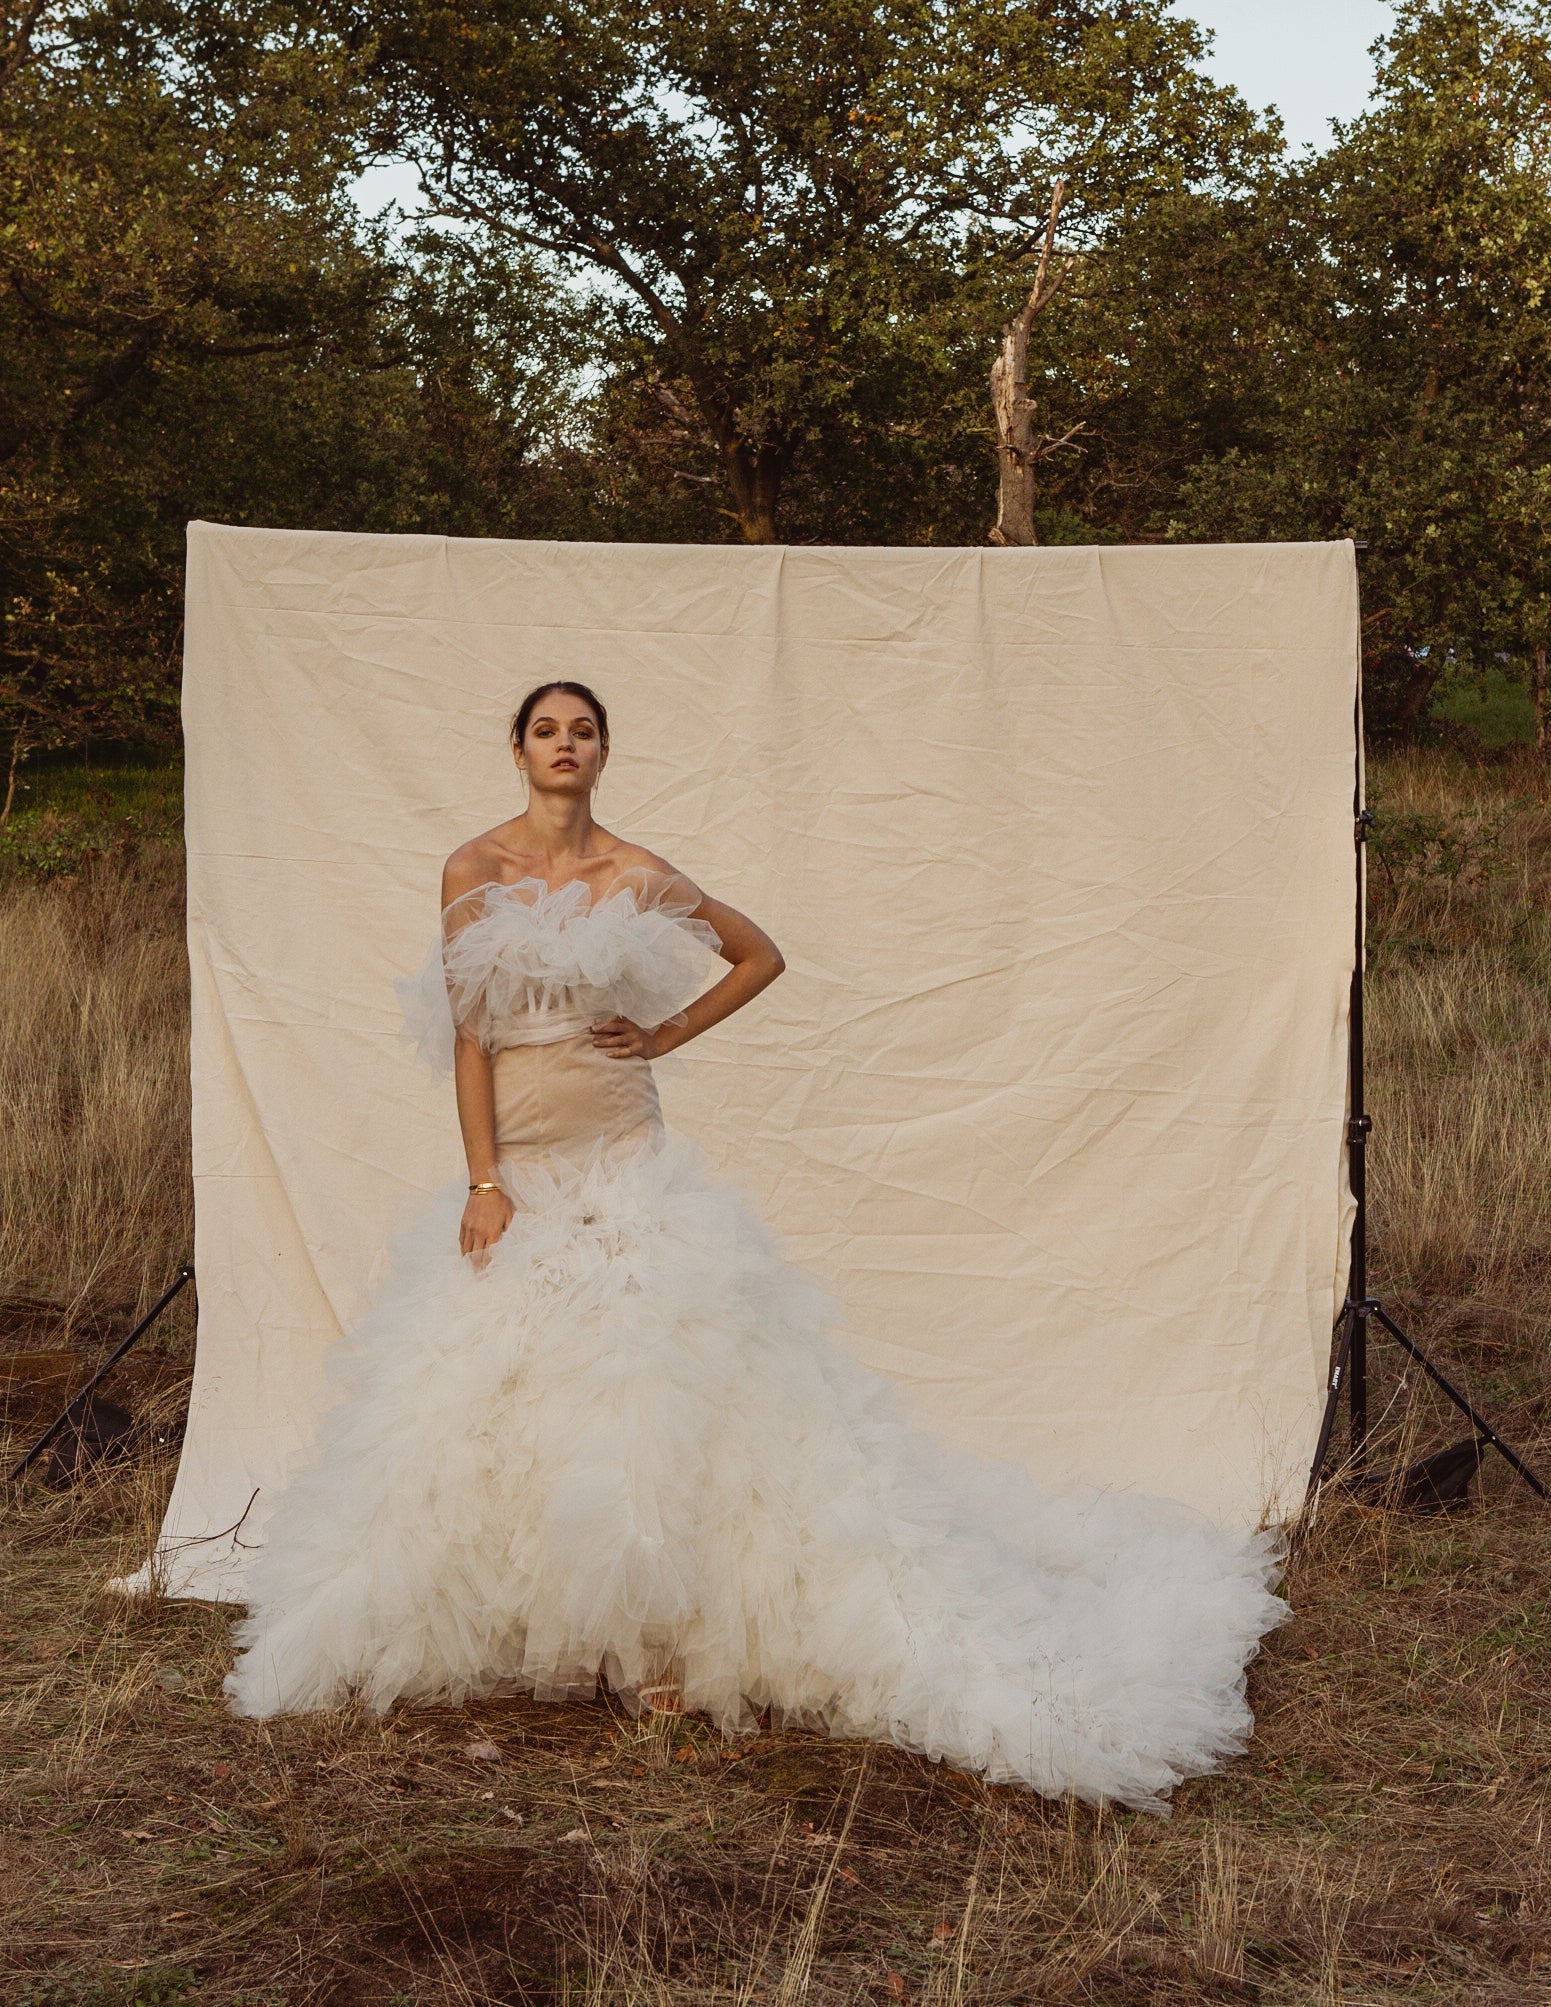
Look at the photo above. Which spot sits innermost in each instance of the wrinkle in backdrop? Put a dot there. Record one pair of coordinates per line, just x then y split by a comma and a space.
1057, 844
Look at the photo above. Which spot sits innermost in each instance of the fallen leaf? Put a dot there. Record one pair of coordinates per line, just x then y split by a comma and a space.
894, 1986
482, 1752
221, 1770
686, 1754
943, 1932
576, 1833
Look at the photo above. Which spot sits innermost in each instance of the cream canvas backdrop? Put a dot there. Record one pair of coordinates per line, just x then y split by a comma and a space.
1057, 844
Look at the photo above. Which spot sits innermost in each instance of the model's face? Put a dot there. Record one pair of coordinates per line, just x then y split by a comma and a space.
562, 751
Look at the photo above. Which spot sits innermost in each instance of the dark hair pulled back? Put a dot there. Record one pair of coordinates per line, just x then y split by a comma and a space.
530, 704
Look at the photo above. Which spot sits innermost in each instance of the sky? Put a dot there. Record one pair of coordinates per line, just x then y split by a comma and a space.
1309, 58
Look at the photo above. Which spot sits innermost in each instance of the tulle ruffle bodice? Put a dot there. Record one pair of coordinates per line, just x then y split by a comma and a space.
525, 964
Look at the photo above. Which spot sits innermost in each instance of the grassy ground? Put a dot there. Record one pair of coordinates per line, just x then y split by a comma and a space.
1383, 1841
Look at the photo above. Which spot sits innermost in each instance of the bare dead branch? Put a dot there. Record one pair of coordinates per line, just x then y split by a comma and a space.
676, 408
1050, 444
1058, 196
1019, 450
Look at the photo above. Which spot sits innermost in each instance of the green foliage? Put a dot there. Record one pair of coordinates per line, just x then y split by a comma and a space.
154, 1987
1415, 844
811, 218
195, 323
1396, 381
1492, 711
146, 232
68, 815
740, 271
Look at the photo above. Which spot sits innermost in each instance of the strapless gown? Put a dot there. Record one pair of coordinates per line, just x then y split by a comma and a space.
629, 1448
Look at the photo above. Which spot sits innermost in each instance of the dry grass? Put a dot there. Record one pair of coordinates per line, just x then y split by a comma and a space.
1460, 1064
1381, 1842
96, 1209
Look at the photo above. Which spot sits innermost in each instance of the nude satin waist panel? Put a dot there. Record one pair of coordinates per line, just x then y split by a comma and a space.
568, 1095
547, 1027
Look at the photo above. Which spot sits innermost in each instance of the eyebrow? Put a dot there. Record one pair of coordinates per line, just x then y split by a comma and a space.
549, 718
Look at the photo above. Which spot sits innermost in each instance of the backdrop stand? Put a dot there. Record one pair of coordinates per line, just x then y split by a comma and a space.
78, 1406
1415, 1482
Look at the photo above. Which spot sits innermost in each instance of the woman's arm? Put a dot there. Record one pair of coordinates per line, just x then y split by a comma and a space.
487, 1215
756, 962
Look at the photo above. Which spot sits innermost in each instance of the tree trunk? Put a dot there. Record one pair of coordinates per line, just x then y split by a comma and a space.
1537, 692
18, 751
1018, 449
754, 476
1015, 442
1418, 690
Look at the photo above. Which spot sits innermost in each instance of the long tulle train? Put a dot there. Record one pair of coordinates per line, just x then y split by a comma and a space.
629, 1441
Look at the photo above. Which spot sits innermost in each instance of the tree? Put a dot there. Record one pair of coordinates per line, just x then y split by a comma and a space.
1403, 366
795, 208
1020, 446
193, 321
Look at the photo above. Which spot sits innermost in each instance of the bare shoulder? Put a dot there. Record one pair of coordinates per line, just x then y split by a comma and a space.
668, 881
636, 857
473, 863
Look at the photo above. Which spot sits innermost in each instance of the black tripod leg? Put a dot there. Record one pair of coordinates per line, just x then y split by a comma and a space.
1357, 1385
185, 1274
1350, 1320
1482, 1426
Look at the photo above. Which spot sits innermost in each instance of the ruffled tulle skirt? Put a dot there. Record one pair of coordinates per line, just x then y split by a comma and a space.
629, 1448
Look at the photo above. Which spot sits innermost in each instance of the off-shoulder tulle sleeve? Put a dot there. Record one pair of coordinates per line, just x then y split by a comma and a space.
661, 954
427, 1012
509, 952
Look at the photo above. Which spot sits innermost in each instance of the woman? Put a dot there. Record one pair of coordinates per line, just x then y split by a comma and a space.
594, 1425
